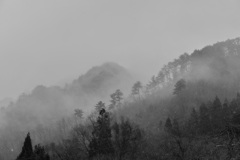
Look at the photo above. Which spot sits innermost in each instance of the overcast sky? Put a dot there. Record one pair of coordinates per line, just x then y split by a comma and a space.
51, 41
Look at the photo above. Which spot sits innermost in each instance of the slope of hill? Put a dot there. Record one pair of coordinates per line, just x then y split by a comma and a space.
218, 64
99, 80
187, 94
180, 111
48, 104
208, 72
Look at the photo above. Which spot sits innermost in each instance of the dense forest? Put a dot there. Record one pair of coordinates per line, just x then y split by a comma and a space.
190, 110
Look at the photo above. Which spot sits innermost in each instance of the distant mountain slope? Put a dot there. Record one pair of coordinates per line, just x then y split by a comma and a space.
206, 73
218, 63
99, 79
48, 104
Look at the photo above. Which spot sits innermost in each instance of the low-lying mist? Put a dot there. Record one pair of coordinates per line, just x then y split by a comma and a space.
48, 112
45, 106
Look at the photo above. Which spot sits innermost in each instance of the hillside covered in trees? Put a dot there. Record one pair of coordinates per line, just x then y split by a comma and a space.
190, 110
45, 106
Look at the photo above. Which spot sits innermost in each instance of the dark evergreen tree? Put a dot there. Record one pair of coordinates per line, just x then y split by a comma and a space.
179, 86
160, 78
152, 85
193, 122
136, 89
238, 97
27, 150
116, 98
217, 117
235, 110
233, 106
168, 125
238, 103
126, 138
40, 153
226, 111
204, 119
176, 128
28, 153
101, 143
99, 106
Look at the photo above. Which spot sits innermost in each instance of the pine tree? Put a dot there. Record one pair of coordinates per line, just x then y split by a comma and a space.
27, 150
193, 122
101, 143
226, 111
234, 106
116, 98
168, 125
179, 86
238, 103
161, 78
28, 153
204, 119
118, 95
126, 138
99, 106
217, 117
40, 153
175, 128
217, 105
238, 97
151, 86
136, 88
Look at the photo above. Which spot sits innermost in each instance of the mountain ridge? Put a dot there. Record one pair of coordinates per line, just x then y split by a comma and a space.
51, 103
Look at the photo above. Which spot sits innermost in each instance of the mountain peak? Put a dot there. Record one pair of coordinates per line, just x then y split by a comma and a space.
107, 75
110, 67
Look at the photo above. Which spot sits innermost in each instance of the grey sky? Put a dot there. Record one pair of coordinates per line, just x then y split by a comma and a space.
50, 41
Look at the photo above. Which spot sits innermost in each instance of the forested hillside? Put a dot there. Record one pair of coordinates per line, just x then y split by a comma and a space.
46, 106
190, 110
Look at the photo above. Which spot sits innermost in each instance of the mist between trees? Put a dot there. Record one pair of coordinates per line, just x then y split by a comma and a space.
189, 110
